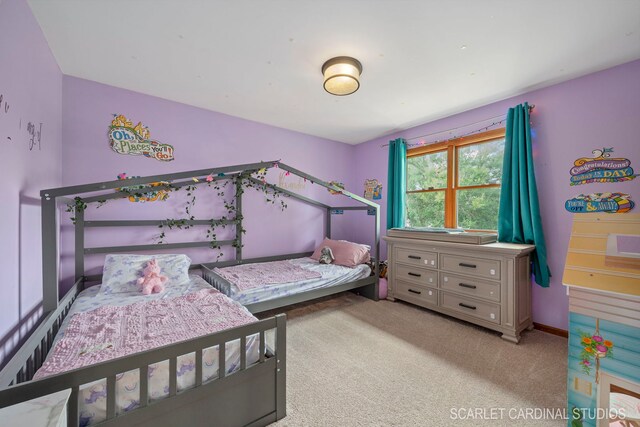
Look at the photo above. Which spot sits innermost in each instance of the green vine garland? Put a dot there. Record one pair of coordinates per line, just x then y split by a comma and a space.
246, 179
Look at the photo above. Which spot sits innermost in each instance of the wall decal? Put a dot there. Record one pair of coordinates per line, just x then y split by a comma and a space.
34, 129
600, 202
144, 193
601, 168
124, 138
297, 184
335, 184
35, 136
337, 212
372, 189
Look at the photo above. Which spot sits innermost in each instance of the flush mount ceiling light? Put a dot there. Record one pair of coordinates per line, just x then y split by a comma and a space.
342, 75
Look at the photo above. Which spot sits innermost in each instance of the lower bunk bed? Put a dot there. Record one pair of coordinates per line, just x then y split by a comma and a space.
186, 356
264, 284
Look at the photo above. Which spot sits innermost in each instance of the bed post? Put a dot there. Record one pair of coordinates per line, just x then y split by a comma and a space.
49, 252
281, 366
79, 244
328, 231
377, 242
239, 219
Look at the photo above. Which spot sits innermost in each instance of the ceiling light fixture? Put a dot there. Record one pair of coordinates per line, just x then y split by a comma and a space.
342, 75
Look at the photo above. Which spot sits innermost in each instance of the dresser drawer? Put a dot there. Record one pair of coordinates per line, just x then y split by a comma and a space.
470, 286
472, 307
417, 275
479, 267
417, 294
417, 257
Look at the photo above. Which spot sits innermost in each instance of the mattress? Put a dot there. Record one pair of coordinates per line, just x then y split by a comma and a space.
332, 275
93, 396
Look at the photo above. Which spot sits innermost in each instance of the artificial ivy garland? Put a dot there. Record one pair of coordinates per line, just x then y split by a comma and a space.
240, 182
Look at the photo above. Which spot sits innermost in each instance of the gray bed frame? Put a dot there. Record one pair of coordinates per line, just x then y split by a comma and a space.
253, 395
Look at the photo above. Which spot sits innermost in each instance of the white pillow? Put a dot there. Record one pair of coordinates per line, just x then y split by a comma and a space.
121, 272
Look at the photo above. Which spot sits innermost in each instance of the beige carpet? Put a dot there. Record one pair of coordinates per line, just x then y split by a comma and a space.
355, 362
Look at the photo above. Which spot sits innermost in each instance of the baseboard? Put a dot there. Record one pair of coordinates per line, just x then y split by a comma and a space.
551, 330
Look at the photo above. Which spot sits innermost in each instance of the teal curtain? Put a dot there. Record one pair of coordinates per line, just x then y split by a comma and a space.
396, 183
519, 218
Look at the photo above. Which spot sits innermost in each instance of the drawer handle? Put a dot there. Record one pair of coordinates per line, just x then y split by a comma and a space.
414, 257
467, 306
414, 274
414, 292
463, 264
464, 285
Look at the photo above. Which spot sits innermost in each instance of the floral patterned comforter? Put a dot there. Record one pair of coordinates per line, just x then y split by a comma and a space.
101, 327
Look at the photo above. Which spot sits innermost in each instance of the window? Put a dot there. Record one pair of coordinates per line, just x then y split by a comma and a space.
456, 183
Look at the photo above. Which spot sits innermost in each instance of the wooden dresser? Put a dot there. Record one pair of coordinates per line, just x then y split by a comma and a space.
488, 285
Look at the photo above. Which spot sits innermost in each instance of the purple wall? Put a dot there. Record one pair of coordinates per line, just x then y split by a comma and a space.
201, 139
31, 93
570, 120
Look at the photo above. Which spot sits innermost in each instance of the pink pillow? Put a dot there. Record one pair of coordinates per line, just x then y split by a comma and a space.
345, 253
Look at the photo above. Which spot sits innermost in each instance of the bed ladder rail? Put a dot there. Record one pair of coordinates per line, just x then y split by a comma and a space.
24, 364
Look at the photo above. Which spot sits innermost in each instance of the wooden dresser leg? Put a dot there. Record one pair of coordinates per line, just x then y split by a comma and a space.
391, 299
514, 338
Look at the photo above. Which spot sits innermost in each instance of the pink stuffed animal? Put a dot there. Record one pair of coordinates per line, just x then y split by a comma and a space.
152, 281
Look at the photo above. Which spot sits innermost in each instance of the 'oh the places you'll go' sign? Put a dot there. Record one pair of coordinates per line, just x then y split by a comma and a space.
125, 138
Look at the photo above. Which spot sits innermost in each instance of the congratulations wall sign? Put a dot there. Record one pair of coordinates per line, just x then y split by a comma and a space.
124, 138
601, 168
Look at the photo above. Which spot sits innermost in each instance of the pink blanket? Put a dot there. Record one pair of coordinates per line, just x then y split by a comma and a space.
110, 332
248, 276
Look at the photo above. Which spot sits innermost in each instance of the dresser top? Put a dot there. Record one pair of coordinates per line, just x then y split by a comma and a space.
504, 248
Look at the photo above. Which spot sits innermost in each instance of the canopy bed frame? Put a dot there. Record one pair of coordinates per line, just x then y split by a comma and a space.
253, 395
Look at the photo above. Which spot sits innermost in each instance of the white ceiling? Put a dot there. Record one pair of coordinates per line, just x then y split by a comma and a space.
261, 60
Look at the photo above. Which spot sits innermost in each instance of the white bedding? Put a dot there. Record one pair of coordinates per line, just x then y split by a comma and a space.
92, 397
332, 275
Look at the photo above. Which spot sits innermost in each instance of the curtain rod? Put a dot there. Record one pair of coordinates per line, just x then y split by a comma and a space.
501, 116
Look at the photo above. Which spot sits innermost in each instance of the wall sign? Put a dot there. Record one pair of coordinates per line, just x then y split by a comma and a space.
124, 138
600, 202
372, 191
601, 168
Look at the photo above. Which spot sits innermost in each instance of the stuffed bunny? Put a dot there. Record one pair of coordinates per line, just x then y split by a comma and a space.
152, 281
326, 256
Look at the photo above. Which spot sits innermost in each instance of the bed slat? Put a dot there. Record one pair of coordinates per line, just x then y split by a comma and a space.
243, 353
111, 396
222, 368
155, 246
261, 346
198, 368
36, 359
72, 408
173, 376
144, 386
30, 371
